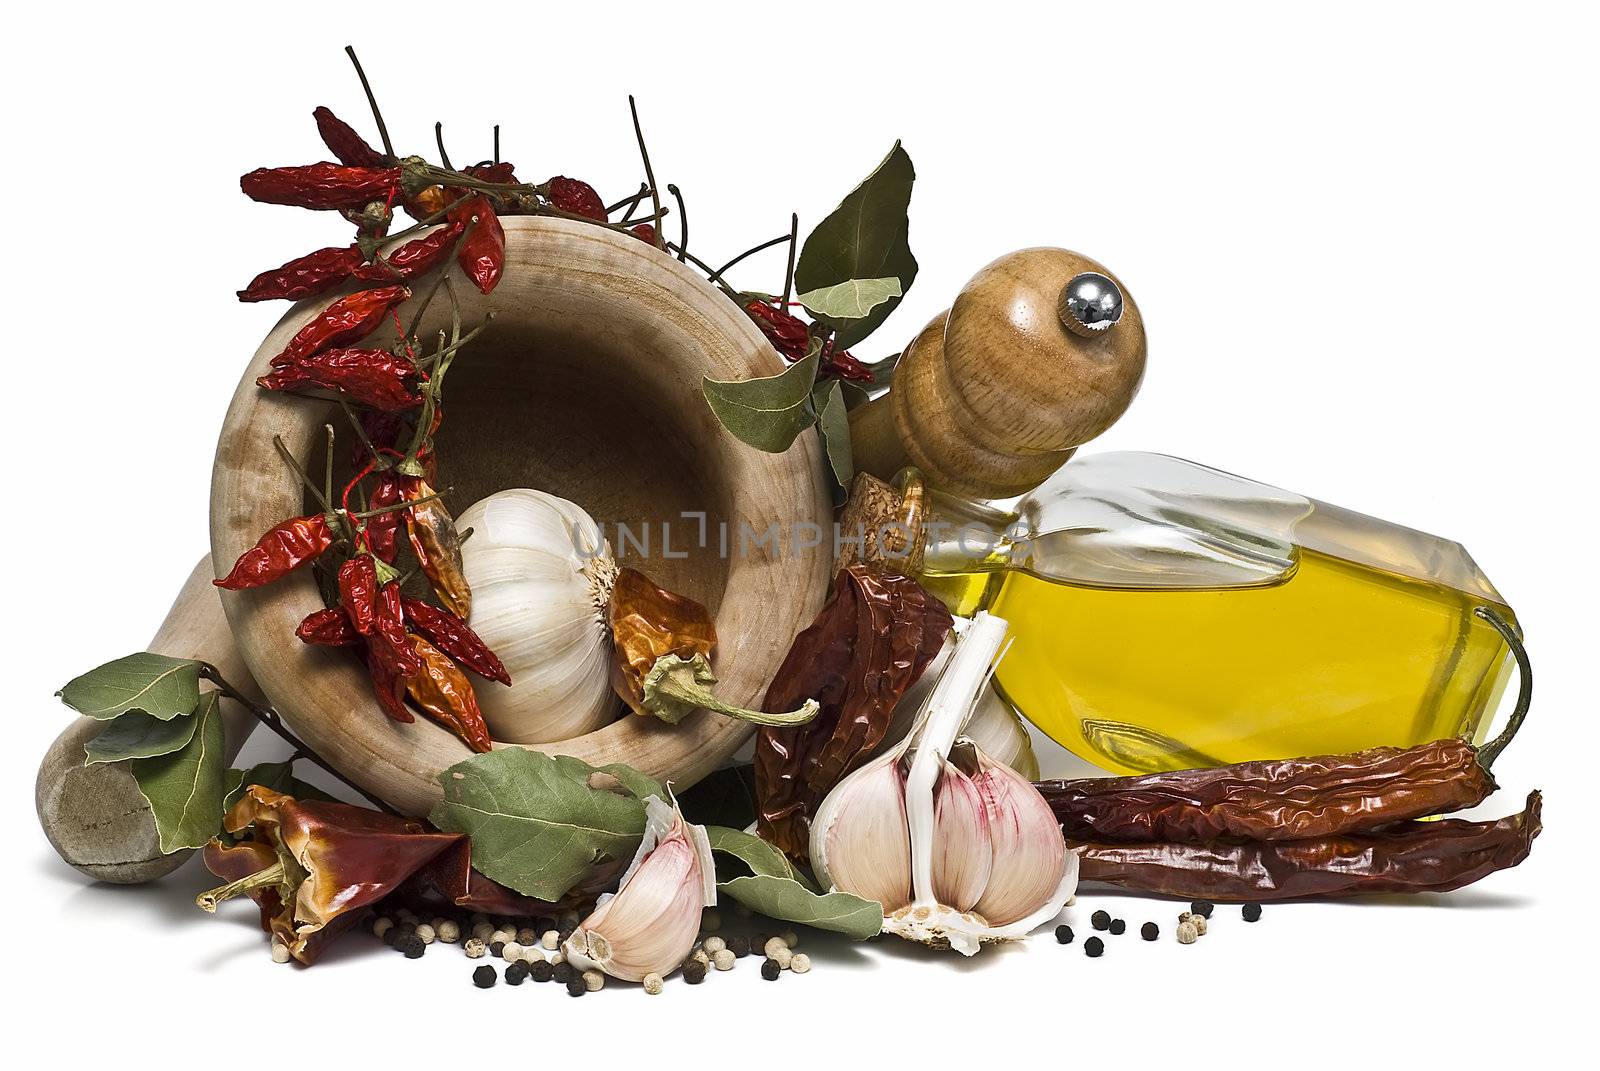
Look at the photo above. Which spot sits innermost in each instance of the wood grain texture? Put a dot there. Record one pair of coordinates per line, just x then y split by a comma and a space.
586, 385
994, 395
94, 816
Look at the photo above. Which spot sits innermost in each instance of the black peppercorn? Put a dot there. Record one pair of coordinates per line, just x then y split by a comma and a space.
1100, 920
1251, 912
563, 973
497, 949
1149, 931
391, 935
770, 970
739, 946
1093, 947
540, 971
694, 972
1203, 908
1064, 935
412, 945
576, 986
517, 973
484, 977
1119, 926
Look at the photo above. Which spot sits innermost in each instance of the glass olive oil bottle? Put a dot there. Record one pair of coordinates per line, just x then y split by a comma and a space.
1166, 615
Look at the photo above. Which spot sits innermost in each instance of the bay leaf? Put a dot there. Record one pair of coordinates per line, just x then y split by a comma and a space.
185, 788
755, 853
278, 776
851, 299
767, 413
160, 686
833, 422
726, 797
866, 237
537, 823
137, 735
782, 898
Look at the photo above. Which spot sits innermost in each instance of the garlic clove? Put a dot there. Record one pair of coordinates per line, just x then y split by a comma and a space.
859, 840
962, 855
651, 923
1029, 852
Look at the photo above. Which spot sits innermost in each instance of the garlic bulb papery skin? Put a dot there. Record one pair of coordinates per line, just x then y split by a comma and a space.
651, 923
993, 724
541, 577
980, 837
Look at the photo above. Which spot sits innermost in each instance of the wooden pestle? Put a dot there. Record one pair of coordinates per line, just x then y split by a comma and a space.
95, 816
996, 393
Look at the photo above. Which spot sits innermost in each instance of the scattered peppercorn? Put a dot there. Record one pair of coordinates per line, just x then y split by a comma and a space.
563, 972
551, 940
770, 970
382, 926
694, 971
1093, 947
594, 981
739, 946
1149, 931
791, 938
1064, 935
280, 951
426, 933
517, 973
527, 936
723, 960
772, 944
713, 945
541, 971
1119, 926
391, 935
449, 932
1100, 920
1203, 908
1199, 924
1251, 912
510, 952
653, 984
483, 931
412, 945
475, 948
484, 977
1187, 934
800, 964
576, 986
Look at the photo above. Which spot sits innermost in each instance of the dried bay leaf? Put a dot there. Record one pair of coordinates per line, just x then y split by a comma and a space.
753, 852
278, 776
137, 735
833, 422
161, 687
851, 299
185, 788
767, 413
538, 823
781, 898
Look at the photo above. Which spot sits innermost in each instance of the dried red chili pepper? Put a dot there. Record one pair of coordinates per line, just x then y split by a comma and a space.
450, 881
502, 172
374, 378
455, 638
350, 319
870, 642
1287, 799
348, 147
329, 627
840, 365
788, 334
427, 202
417, 257
392, 661
649, 622
445, 695
645, 232
315, 866
437, 545
383, 530
389, 679
284, 548
320, 186
575, 196
358, 592
315, 273
482, 252
1409, 857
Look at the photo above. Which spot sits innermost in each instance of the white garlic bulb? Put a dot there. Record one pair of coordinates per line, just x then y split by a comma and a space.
959, 848
541, 577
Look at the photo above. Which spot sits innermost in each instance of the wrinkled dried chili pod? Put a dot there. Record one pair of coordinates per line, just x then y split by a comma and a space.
450, 881
329, 627
870, 642
320, 186
373, 378
661, 645
314, 866
284, 548
437, 545
575, 196
482, 252
1287, 799
347, 320
445, 695
417, 257
455, 638
348, 147
383, 529
315, 273
1409, 857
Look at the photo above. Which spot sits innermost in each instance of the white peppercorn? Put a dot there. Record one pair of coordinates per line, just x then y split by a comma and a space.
700, 957
653, 984
594, 981
782, 956
1187, 934
482, 931
551, 939
791, 939
1199, 924
280, 952
475, 948
723, 960
800, 963
426, 933
773, 944
533, 954
502, 937
447, 931
382, 926
511, 951
713, 945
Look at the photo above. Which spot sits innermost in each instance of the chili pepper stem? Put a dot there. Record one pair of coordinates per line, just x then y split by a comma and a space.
1491, 751
683, 221
675, 687
272, 875
366, 87
270, 718
649, 172
788, 272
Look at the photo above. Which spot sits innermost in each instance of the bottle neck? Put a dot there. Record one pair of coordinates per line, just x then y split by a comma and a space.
960, 536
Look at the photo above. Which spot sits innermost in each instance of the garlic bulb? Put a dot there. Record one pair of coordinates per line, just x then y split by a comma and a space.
993, 724
958, 847
651, 923
541, 576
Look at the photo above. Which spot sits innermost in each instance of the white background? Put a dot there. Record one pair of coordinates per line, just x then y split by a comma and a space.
1363, 238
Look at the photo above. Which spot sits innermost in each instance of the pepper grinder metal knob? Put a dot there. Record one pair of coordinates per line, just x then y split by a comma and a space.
1042, 351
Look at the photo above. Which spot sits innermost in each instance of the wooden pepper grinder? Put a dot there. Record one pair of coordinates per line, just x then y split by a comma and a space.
1042, 351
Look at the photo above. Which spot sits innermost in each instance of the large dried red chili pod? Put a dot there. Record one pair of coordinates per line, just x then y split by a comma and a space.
575, 196
373, 378
347, 146
284, 548
315, 273
482, 251
321, 186
455, 638
350, 319
417, 257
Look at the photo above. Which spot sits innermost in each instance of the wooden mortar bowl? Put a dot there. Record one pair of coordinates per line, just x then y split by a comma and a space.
586, 385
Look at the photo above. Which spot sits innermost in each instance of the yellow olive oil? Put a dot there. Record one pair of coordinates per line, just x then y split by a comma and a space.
1337, 656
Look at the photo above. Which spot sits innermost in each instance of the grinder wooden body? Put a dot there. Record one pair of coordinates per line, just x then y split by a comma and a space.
996, 393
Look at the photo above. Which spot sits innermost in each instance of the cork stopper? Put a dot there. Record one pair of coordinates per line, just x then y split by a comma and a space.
881, 526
